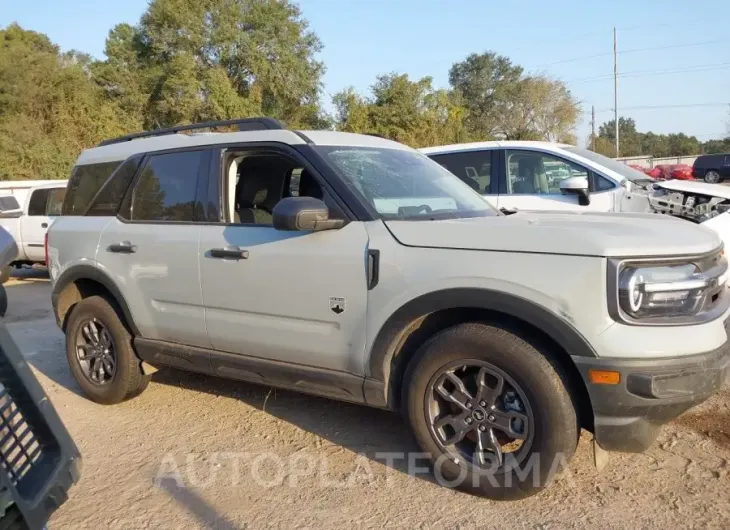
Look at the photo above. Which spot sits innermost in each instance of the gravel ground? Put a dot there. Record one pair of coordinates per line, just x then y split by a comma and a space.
199, 452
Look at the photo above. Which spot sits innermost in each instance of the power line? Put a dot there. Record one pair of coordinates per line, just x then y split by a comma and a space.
634, 50
642, 73
680, 106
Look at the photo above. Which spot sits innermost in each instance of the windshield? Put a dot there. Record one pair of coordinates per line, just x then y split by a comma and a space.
403, 184
622, 169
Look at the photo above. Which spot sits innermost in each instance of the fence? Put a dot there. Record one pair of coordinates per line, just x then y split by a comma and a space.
650, 161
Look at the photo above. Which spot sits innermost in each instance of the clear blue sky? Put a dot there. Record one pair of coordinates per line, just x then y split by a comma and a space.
363, 38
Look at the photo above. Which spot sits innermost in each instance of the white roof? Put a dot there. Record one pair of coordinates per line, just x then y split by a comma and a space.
122, 150
505, 144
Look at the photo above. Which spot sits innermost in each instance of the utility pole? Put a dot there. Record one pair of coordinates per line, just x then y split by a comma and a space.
615, 87
593, 128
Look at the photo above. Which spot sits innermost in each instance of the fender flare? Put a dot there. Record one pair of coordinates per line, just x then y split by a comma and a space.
89, 272
555, 327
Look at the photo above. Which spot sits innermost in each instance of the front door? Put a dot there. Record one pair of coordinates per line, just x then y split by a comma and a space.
43, 205
151, 249
295, 297
531, 181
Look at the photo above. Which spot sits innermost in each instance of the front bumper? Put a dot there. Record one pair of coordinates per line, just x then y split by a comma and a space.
651, 392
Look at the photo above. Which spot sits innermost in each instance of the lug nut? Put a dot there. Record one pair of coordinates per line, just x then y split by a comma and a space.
491, 417
483, 403
482, 428
468, 404
468, 420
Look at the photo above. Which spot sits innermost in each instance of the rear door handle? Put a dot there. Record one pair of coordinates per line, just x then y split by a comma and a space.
44, 225
228, 252
125, 247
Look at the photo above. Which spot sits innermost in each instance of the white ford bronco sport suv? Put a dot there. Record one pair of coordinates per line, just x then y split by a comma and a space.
355, 268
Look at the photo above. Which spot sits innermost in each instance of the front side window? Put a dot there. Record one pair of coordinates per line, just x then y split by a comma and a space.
166, 189
533, 172
37, 203
402, 184
472, 167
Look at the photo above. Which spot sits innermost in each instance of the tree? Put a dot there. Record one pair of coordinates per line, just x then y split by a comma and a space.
501, 102
49, 108
412, 112
198, 60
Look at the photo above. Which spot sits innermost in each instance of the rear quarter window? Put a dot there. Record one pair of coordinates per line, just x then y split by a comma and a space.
84, 184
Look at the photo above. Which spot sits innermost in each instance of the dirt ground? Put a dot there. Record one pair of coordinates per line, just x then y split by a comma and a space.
199, 452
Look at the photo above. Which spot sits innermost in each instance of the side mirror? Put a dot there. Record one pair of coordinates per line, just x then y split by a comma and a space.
577, 186
304, 213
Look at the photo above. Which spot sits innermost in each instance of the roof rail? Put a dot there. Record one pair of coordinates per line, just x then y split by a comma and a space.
244, 124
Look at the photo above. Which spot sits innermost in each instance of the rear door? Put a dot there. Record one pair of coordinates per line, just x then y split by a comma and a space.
151, 248
530, 180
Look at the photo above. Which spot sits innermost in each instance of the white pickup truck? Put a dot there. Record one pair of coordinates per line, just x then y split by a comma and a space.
28, 223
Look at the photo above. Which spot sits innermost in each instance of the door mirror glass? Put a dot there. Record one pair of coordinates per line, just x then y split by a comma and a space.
578, 186
304, 213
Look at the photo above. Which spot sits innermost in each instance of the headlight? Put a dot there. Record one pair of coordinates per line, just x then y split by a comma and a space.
669, 292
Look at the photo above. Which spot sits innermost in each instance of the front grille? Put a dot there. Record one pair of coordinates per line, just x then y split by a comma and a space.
19, 447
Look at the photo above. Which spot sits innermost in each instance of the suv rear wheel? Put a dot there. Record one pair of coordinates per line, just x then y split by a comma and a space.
712, 177
492, 412
100, 354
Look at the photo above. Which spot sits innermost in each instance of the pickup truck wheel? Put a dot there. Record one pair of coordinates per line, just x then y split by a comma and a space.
4, 274
492, 412
100, 354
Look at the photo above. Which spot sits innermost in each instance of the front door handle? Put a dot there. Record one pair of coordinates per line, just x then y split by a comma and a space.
125, 247
228, 252
44, 225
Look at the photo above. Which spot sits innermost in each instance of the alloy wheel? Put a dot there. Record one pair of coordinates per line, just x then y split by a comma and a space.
95, 352
479, 415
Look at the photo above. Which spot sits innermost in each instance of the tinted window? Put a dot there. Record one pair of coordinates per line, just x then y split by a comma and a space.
166, 189
55, 201
84, 185
533, 172
473, 167
9, 202
37, 203
110, 197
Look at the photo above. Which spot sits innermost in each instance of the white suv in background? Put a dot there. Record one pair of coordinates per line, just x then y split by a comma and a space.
518, 175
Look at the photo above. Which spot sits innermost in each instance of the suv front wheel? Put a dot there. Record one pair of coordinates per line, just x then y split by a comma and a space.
100, 354
492, 411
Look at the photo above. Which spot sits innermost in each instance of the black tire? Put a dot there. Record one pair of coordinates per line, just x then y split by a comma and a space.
4, 274
554, 423
128, 380
712, 177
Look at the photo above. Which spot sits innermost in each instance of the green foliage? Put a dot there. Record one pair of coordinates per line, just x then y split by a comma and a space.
635, 143
489, 98
49, 109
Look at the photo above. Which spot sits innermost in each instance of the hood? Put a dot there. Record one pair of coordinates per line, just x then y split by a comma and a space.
691, 186
575, 233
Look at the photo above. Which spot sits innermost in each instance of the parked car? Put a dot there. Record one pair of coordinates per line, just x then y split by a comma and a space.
665, 171
680, 172
28, 223
20, 188
652, 172
514, 178
40, 461
712, 168
382, 279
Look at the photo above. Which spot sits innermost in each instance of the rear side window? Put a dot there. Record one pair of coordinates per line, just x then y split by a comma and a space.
110, 197
473, 167
55, 201
37, 203
166, 189
85, 183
